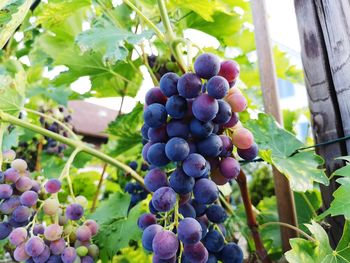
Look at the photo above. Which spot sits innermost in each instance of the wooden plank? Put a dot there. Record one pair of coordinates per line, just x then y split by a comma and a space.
268, 80
325, 115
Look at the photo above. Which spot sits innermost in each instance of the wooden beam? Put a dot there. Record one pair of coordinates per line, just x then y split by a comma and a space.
268, 79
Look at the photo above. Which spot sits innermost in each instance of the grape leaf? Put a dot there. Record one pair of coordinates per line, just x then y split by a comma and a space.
11, 138
12, 13
345, 170
57, 94
276, 147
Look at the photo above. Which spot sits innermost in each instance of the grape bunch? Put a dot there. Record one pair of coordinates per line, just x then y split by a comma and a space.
61, 235
191, 122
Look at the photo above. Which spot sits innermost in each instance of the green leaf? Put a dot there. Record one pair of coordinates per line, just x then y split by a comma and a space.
57, 94
10, 139
276, 146
12, 13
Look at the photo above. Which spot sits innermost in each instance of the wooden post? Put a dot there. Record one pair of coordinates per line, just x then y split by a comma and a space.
268, 79
325, 49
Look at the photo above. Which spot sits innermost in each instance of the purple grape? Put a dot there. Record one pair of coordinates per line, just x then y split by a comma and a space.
176, 106
155, 179
196, 253
168, 84
204, 222
52, 186
87, 259
145, 150
155, 95
92, 225
18, 236
23, 183
21, 214
227, 146
250, 153
156, 259
74, 212
29, 198
54, 259
205, 107
224, 114
57, 246
9, 205
229, 168
34, 246
229, 69
180, 182
164, 199
205, 191
36, 187
212, 259
217, 87
38, 229
146, 220
11, 175
231, 253
155, 115
198, 207
43, 257
83, 233
152, 209
5, 191
144, 131
194, 165
189, 85
177, 149
216, 214
20, 254
148, 235
207, 65
189, 231
156, 155
5, 230
53, 232
165, 244
201, 129
232, 121
211, 146
69, 255
187, 210
158, 134
177, 128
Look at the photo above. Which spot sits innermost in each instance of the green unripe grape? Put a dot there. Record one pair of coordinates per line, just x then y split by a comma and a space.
68, 230
82, 251
170, 66
94, 251
81, 200
51, 206
77, 260
9, 155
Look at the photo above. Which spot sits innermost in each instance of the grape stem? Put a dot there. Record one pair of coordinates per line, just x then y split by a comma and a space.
251, 219
94, 201
5, 117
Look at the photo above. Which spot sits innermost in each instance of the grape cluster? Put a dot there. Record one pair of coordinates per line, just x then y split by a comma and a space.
192, 121
61, 234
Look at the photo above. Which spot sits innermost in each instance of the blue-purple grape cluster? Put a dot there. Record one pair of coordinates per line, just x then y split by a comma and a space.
192, 121
61, 235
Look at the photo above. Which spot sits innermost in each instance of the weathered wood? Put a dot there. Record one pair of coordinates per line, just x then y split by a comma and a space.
323, 102
268, 79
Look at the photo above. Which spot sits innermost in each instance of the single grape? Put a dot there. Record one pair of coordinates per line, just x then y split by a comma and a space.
29, 198
164, 199
69, 255
229, 69
57, 246
19, 164
177, 149
198, 207
229, 168
51, 206
53, 232
23, 184
168, 84
201, 129
52, 186
189, 231
232, 121
20, 254
9, 205
38, 229
81, 200
237, 102
5, 191
155, 115
5, 230
36, 187
231, 253
74, 211
165, 244
156, 259
146, 220
216, 214
92, 225
156, 155
187, 210
54, 259
180, 182
194, 165
82, 251
205, 107
155, 179
177, 128
34, 246
249, 154
43, 257
144, 131
9, 155
217, 177
211, 146
11, 175
18, 236
227, 146
83, 233
242, 138
189, 85
196, 253
217, 87
214, 241
212, 259
148, 235
205, 191
176, 106
158, 134
155, 95
87, 259
21, 214
207, 65
224, 114
93, 251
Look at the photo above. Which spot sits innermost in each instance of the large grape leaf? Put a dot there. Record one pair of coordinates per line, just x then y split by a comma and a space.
277, 147
345, 170
319, 249
12, 13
